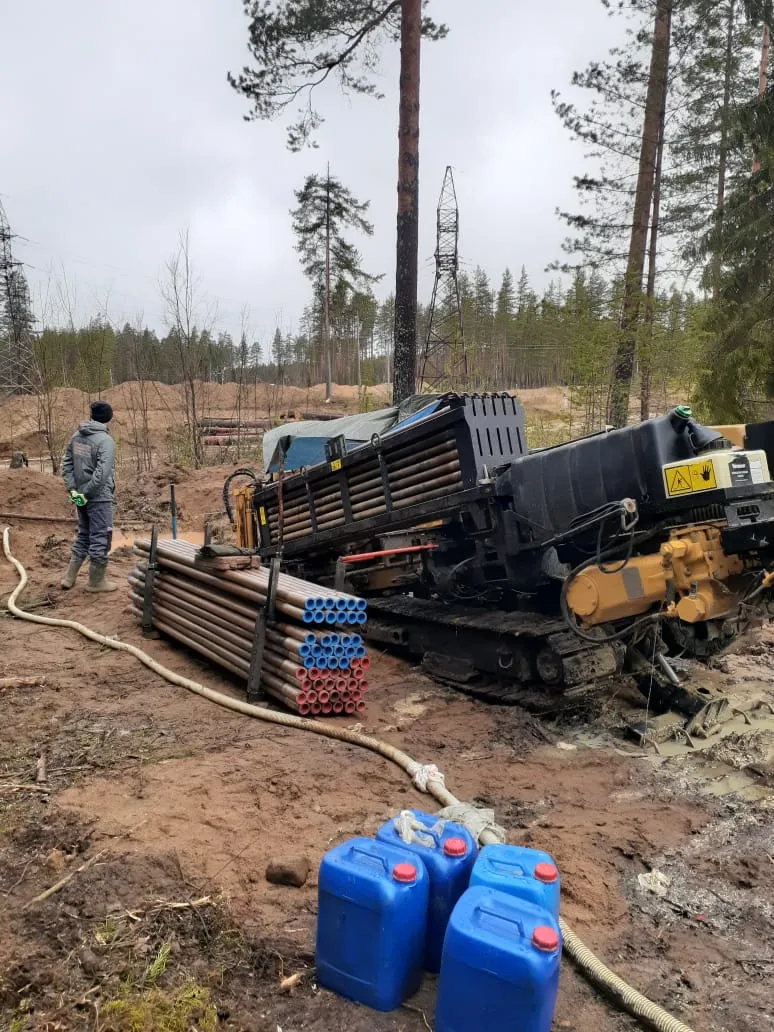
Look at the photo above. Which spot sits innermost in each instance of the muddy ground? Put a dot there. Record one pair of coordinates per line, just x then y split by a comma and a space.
163, 810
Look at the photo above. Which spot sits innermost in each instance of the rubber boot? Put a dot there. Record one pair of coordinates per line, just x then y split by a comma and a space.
98, 579
68, 581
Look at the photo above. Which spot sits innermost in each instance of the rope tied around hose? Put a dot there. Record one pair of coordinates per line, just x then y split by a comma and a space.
425, 774
479, 821
410, 830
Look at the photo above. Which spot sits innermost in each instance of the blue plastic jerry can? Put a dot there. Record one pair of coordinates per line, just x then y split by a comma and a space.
529, 874
500, 967
448, 851
371, 921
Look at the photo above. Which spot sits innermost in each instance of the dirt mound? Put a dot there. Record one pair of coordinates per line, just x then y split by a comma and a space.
27, 491
145, 499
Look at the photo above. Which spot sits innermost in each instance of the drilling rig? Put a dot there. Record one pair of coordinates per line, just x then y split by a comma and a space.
502, 566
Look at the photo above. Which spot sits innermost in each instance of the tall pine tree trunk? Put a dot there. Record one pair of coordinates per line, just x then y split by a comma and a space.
405, 357
646, 357
327, 300
643, 202
725, 119
763, 77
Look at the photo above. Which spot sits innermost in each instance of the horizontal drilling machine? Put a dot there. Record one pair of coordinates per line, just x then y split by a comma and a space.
503, 566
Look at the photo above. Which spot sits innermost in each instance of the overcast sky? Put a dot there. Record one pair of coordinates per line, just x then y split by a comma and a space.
119, 130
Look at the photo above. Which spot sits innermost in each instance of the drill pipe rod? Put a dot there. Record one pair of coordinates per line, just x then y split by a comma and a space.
301, 504
255, 580
402, 465
407, 452
290, 603
196, 601
278, 684
220, 614
213, 641
256, 597
409, 474
375, 490
184, 588
221, 637
426, 491
221, 623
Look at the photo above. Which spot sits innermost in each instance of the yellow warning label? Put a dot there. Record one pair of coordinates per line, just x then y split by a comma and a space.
336, 464
262, 516
690, 478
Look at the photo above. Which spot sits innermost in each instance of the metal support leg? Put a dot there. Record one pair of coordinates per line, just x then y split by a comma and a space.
150, 578
254, 690
271, 592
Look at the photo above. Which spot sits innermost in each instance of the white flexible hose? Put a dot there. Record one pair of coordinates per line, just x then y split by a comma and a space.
649, 1014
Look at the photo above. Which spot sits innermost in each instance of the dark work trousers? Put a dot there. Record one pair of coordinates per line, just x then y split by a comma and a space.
95, 532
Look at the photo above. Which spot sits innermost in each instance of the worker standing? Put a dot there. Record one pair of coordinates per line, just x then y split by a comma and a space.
87, 470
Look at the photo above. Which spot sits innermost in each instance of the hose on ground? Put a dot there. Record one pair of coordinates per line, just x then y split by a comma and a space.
649, 1014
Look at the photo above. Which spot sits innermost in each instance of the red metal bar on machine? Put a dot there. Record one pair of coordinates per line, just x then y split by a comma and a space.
363, 556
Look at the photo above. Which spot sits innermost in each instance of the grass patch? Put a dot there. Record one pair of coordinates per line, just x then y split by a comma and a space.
153, 1010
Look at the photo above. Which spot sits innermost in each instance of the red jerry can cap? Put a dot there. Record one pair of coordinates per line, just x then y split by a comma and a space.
455, 847
406, 874
546, 873
545, 939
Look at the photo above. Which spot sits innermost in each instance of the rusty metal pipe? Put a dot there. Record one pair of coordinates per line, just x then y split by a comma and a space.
196, 644
287, 602
217, 630
371, 478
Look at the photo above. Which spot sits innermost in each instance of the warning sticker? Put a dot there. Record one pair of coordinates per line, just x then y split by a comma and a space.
740, 471
262, 516
690, 478
335, 465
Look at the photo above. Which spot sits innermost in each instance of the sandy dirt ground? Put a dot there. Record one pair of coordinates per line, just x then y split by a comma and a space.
159, 410
163, 810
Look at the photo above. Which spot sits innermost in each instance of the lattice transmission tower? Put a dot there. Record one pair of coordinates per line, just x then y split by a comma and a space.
444, 364
16, 352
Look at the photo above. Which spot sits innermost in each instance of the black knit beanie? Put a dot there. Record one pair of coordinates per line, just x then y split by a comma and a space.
101, 412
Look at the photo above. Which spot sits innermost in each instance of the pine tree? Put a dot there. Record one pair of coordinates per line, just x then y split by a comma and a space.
739, 364
608, 123
297, 46
325, 209
652, 129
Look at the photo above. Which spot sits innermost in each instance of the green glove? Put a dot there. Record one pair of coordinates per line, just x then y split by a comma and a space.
77, 498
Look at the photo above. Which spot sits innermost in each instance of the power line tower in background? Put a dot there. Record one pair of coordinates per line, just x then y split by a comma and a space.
16, 355
444, 364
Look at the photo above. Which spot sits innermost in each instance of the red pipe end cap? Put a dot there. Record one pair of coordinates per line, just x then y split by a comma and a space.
545, 939
455, 847
406, 874
546, 873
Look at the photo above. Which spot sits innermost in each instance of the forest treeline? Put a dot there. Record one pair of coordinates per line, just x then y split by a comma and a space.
515, 337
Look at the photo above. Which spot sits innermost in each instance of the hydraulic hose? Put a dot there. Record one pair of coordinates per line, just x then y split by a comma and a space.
245, 472
649, 1014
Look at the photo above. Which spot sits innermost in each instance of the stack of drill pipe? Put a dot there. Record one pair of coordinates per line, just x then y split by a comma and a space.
417, 473
216, 424
227, 441
318, 672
